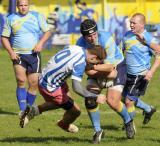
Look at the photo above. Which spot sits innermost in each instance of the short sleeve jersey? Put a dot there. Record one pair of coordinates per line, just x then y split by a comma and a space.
24, 30
68, 62
138, 55
105, 39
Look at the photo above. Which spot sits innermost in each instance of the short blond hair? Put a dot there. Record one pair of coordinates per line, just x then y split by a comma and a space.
20, 0
141, 16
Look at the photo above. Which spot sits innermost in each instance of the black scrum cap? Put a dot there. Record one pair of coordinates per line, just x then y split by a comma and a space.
88, 27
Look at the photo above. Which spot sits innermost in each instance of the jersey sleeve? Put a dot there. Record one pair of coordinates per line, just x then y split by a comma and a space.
114, 53
78, 70
6, 29
43, 23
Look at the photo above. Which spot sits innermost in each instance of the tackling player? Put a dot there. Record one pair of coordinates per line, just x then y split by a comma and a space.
71, 61
91, 37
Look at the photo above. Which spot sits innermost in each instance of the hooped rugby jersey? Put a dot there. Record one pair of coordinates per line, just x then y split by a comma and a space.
68, 62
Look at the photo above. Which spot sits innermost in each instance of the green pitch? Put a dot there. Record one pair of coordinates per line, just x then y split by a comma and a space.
42, 131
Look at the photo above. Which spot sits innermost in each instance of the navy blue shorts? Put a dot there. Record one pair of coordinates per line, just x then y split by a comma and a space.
121, 74
135, 85
31, 62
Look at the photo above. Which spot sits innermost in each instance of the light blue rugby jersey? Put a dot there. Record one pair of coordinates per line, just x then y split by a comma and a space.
24, 31
114, 54
68, 62
138, 55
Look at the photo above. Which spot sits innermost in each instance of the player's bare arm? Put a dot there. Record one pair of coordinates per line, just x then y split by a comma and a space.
143, 40
153, 69
104, 70
6, 44
45, 37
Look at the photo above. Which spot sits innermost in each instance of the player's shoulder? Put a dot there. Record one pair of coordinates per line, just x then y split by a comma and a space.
11, 16
74, 48
104, 37
149, 34
34, 13
81, 41
129, 34
104, 33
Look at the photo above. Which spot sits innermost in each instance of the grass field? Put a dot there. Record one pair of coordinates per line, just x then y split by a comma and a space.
42, 131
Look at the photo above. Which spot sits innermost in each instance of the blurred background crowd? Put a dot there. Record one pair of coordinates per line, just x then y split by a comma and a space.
64, 17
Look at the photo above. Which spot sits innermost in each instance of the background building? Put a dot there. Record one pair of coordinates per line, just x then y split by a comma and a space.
111, 15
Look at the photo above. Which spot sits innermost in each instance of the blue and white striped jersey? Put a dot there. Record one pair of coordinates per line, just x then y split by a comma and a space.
138, 56
105, 39
71, 61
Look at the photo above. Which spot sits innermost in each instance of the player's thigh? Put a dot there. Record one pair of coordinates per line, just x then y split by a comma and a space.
75, 110
20, 73
48, 106
129, 102
59, 97
115, 93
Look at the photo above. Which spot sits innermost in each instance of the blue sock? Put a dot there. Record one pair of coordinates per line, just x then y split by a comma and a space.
30, 98
124, 113
95, 119
142, 105
21, 98
132, 114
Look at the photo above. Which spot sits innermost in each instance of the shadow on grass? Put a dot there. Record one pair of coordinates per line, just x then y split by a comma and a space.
155, 140
2, 112
148, 127
44, 139
111, 139
59, 139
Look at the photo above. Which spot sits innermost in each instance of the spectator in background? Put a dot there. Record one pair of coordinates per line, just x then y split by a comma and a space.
52, 21
20, 37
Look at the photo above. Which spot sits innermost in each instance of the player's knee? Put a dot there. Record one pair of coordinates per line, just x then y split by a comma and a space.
77, 113
91, 103
21, 82
113, 103
69, 105
33, 84
128, 103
